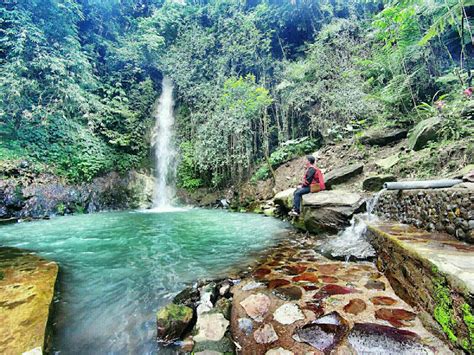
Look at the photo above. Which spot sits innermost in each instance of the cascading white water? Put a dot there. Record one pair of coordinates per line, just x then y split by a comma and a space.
165, 155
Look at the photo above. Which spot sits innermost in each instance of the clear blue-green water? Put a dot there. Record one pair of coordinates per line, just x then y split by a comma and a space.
117, 269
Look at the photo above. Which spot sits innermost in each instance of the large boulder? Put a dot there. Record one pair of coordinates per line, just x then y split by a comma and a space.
27, 284
342, 174
375, 182
385, 137
424, 132
172, 321
330, 211
284, 198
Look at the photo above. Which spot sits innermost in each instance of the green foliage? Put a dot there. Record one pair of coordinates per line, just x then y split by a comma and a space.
287, 151
468, 318
188, 174
443, 312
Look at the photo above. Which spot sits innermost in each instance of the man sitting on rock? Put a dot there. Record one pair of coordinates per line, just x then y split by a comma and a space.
313, 181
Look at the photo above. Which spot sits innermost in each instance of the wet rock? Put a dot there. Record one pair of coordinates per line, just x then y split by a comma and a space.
27, 284
383, 300
379, 339
187, 297
245, 325
331, 289
330, 211
316, 308
261, 273
292, 293
397, 317
329, 279
288, 313
252, 285
307, 276
375, 285
186, 345
210, 327
265, 334
285, 198
279, 351
424, 132
342, 174
172, 320
355, 306
223, 346
383, 137
375, 183
310, 287
295, 269
324, 335
256, 306
224, 306
277, 283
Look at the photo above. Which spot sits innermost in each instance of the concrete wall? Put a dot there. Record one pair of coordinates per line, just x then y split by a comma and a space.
445, 210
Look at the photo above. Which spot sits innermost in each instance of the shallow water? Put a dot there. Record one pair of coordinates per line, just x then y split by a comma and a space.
117, 269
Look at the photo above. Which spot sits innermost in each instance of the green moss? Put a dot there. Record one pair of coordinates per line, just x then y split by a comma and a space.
468, 318
443, 312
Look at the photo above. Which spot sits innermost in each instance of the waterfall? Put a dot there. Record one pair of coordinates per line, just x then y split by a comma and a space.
165, 155
372, 204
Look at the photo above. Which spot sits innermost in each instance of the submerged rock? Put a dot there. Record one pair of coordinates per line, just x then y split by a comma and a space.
355, 306
172, 321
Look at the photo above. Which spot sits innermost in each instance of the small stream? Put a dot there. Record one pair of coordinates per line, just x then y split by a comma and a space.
117, 269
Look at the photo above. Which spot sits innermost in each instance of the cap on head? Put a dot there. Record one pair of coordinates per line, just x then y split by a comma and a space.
310, 159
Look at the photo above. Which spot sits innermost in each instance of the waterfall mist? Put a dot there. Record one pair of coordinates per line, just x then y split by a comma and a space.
165, 154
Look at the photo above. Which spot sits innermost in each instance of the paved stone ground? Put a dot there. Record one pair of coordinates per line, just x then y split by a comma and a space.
296, 301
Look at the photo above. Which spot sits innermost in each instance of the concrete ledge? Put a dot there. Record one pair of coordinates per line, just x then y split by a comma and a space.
433, 271
26, 295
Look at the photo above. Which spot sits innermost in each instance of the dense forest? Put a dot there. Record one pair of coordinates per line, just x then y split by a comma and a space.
79, 79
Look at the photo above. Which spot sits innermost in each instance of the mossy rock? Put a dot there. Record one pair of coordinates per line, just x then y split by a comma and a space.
172, 320
225, 346
424, 132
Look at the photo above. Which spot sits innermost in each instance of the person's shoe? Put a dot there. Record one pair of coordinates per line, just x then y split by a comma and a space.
294, 213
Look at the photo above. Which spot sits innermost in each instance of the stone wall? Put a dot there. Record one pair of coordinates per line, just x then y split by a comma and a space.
446, 210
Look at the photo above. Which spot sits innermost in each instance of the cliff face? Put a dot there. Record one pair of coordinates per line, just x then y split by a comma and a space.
42, 196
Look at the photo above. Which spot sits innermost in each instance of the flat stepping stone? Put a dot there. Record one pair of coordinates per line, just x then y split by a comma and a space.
210, 327
277, 283
306, 276
375, 285
383, 300
331, 289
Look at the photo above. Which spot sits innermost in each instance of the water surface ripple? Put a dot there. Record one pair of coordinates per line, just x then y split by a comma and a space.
117, 269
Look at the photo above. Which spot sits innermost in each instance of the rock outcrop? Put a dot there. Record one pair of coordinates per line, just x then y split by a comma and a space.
385, 137
47, 195
375, 182
330, 211
424, 132
342, 174
27, 284
172, 320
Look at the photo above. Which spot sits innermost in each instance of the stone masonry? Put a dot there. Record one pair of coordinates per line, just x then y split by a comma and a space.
448, 210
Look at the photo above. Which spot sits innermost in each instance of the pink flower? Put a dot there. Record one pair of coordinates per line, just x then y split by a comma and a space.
468, 92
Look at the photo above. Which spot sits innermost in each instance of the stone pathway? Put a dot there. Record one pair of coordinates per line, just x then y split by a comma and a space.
298, 302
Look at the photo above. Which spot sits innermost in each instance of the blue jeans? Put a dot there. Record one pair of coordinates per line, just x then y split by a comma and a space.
298, 195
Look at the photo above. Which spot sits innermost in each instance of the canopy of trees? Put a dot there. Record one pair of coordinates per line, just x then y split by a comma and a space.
79, 77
